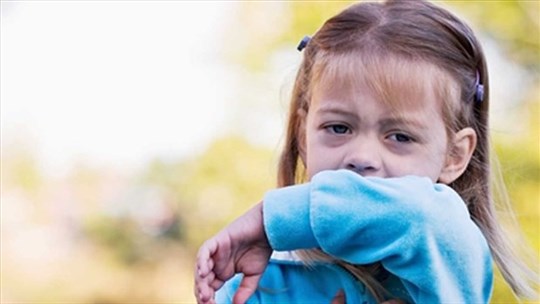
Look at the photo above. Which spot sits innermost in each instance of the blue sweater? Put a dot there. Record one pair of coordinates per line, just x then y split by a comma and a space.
420, 232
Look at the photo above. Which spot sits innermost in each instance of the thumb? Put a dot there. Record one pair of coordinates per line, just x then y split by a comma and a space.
247, 287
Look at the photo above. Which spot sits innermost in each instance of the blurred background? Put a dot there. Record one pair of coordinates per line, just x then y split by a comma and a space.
131, 131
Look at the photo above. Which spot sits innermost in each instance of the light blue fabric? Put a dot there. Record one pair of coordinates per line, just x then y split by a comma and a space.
421, 233
293, 282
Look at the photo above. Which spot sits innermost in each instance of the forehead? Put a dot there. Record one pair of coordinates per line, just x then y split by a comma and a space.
399, 83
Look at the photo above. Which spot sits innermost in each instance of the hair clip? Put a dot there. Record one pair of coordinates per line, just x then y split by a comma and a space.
303, 43
479, 94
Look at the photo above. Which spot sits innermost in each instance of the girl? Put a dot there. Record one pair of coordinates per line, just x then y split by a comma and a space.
384, 181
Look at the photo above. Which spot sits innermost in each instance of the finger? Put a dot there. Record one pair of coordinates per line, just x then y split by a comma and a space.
202, 283
222, 256
213, 282
339, 298
205, 294
204, 267
247, 287
203, 256
204, 261
210, 301
203, 290
216, 284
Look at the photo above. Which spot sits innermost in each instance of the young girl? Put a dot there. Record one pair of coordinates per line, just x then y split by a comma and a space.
384, 177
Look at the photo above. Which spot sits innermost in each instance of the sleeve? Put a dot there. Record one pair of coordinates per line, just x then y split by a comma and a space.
420, 231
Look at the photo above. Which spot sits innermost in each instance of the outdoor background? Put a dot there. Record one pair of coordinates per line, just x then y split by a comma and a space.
133, 130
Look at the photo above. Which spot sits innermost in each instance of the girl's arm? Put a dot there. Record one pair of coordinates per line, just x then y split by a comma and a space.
242, 246
420, 231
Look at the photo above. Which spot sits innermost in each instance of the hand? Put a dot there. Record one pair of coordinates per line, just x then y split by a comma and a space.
240, 247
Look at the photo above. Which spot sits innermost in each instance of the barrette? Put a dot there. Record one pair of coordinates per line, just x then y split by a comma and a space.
303, 43
479, 94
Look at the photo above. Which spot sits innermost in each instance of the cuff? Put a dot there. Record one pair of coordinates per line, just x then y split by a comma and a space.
286, 218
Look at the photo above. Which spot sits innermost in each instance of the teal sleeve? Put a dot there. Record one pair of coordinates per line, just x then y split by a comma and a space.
419, 231
288, 221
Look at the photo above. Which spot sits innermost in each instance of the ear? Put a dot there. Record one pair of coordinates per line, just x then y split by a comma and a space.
460, 152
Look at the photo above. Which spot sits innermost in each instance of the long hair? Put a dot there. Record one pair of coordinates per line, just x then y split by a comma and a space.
414, 31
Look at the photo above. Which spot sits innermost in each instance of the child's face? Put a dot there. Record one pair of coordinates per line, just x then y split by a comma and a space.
348, 127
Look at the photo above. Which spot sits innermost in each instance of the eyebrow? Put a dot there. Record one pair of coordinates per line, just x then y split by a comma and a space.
335, 109
390, 121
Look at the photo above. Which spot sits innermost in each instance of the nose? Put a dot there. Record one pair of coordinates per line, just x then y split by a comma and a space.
364, 158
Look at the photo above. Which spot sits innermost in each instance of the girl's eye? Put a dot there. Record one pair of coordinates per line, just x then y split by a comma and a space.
402, 138
338, 129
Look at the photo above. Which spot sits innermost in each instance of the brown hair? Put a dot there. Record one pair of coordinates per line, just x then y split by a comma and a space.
414, 31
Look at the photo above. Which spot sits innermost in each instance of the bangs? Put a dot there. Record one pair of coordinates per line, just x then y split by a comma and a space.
394, 80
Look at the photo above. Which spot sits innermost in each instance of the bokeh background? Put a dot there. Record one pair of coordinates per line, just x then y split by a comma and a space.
133, 130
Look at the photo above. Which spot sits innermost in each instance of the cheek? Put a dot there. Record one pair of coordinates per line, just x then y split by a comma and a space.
319, 157
314, 163
435, 154
425, 161
431, 164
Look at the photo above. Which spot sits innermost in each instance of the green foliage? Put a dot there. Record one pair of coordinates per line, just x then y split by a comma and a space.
20, 167
308, 16
214, 187
275, 25
118, 235
520, 166
222, 183
514, 23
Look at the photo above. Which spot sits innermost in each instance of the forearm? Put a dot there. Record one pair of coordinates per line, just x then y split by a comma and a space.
420, 232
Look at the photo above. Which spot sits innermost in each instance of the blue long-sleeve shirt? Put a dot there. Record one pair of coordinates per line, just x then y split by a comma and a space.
420, 232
